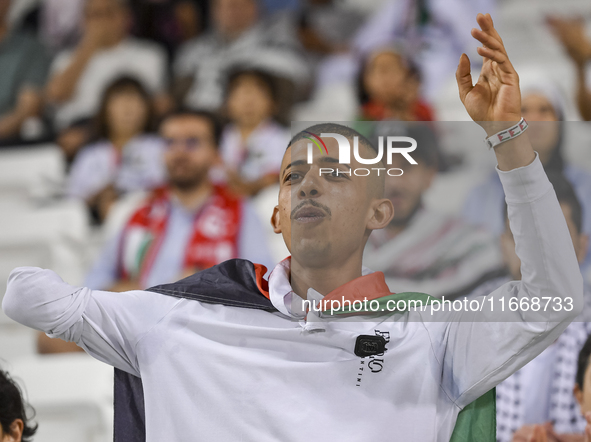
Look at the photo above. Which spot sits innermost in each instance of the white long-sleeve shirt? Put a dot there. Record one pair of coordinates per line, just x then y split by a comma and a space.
213, 372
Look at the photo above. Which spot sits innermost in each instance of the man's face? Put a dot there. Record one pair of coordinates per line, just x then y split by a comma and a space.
406, 191
190, 150
512, 261
324, 219
232, 17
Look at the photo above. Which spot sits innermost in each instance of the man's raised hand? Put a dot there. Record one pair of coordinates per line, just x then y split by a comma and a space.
496, 95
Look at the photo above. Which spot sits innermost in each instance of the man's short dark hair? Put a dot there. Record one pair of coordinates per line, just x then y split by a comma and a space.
12, 407
565, 193
214, 121
346, 131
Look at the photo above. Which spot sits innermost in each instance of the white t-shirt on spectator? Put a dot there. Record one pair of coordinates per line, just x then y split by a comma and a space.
139, 167
261, 154
142, 60
270, 46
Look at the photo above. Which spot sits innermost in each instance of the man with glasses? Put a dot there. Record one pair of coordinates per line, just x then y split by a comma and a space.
186, 226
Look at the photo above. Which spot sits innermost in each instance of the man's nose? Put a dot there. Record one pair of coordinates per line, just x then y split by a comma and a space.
310, 185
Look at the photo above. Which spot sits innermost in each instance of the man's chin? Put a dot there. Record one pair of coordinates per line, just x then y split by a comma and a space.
186, 183
311, 252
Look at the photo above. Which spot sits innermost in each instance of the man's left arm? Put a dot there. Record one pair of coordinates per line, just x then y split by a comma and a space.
480, 349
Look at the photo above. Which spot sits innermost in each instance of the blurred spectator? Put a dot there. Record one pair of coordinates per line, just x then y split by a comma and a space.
541, 391
105, 52
436, 32
74, 137
571, 33
274, 6
325, 30
326, 26
14, 424
126, 157
60, 23
582, 388
543, 107
169, 22
24, 65
186, 226
389, 86
253, 144
423, 250
238, 37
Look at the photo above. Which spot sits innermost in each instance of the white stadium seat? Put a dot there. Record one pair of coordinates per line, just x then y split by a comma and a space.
52, 237
31, 172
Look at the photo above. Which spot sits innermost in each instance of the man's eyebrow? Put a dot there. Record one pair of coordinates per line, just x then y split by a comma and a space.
293, 163
332, 160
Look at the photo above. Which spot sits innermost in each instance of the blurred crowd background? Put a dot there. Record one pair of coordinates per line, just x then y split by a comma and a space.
140, 142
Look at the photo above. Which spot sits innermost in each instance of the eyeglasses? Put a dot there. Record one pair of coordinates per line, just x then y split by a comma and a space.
187, 144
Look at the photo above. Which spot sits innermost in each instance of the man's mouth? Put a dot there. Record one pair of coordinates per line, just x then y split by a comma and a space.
309, 214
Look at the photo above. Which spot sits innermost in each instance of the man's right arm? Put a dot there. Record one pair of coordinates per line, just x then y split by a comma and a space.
106, 325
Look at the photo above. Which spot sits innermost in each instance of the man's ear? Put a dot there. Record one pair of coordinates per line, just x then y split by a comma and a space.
382, 214
276, 220
16, 431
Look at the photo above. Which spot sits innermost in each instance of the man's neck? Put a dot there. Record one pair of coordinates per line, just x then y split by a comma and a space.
193, 198
325, 279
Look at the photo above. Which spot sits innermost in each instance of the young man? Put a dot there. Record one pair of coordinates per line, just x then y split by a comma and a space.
226, 357
187, 225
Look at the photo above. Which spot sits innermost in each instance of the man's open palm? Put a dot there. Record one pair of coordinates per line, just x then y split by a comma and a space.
496, 96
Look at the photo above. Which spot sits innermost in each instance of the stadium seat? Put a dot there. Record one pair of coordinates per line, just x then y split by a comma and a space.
32, 172
51, 237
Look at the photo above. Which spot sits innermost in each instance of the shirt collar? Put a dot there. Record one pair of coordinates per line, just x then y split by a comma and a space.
370, 285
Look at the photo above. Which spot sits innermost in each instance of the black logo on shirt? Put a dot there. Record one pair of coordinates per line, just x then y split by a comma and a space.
371, 349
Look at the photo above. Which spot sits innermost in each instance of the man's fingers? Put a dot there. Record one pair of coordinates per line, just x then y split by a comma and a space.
463, 77
500, 57
486, 24
487, 39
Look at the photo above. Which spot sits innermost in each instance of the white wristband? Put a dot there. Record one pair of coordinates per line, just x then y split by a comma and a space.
507, 134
